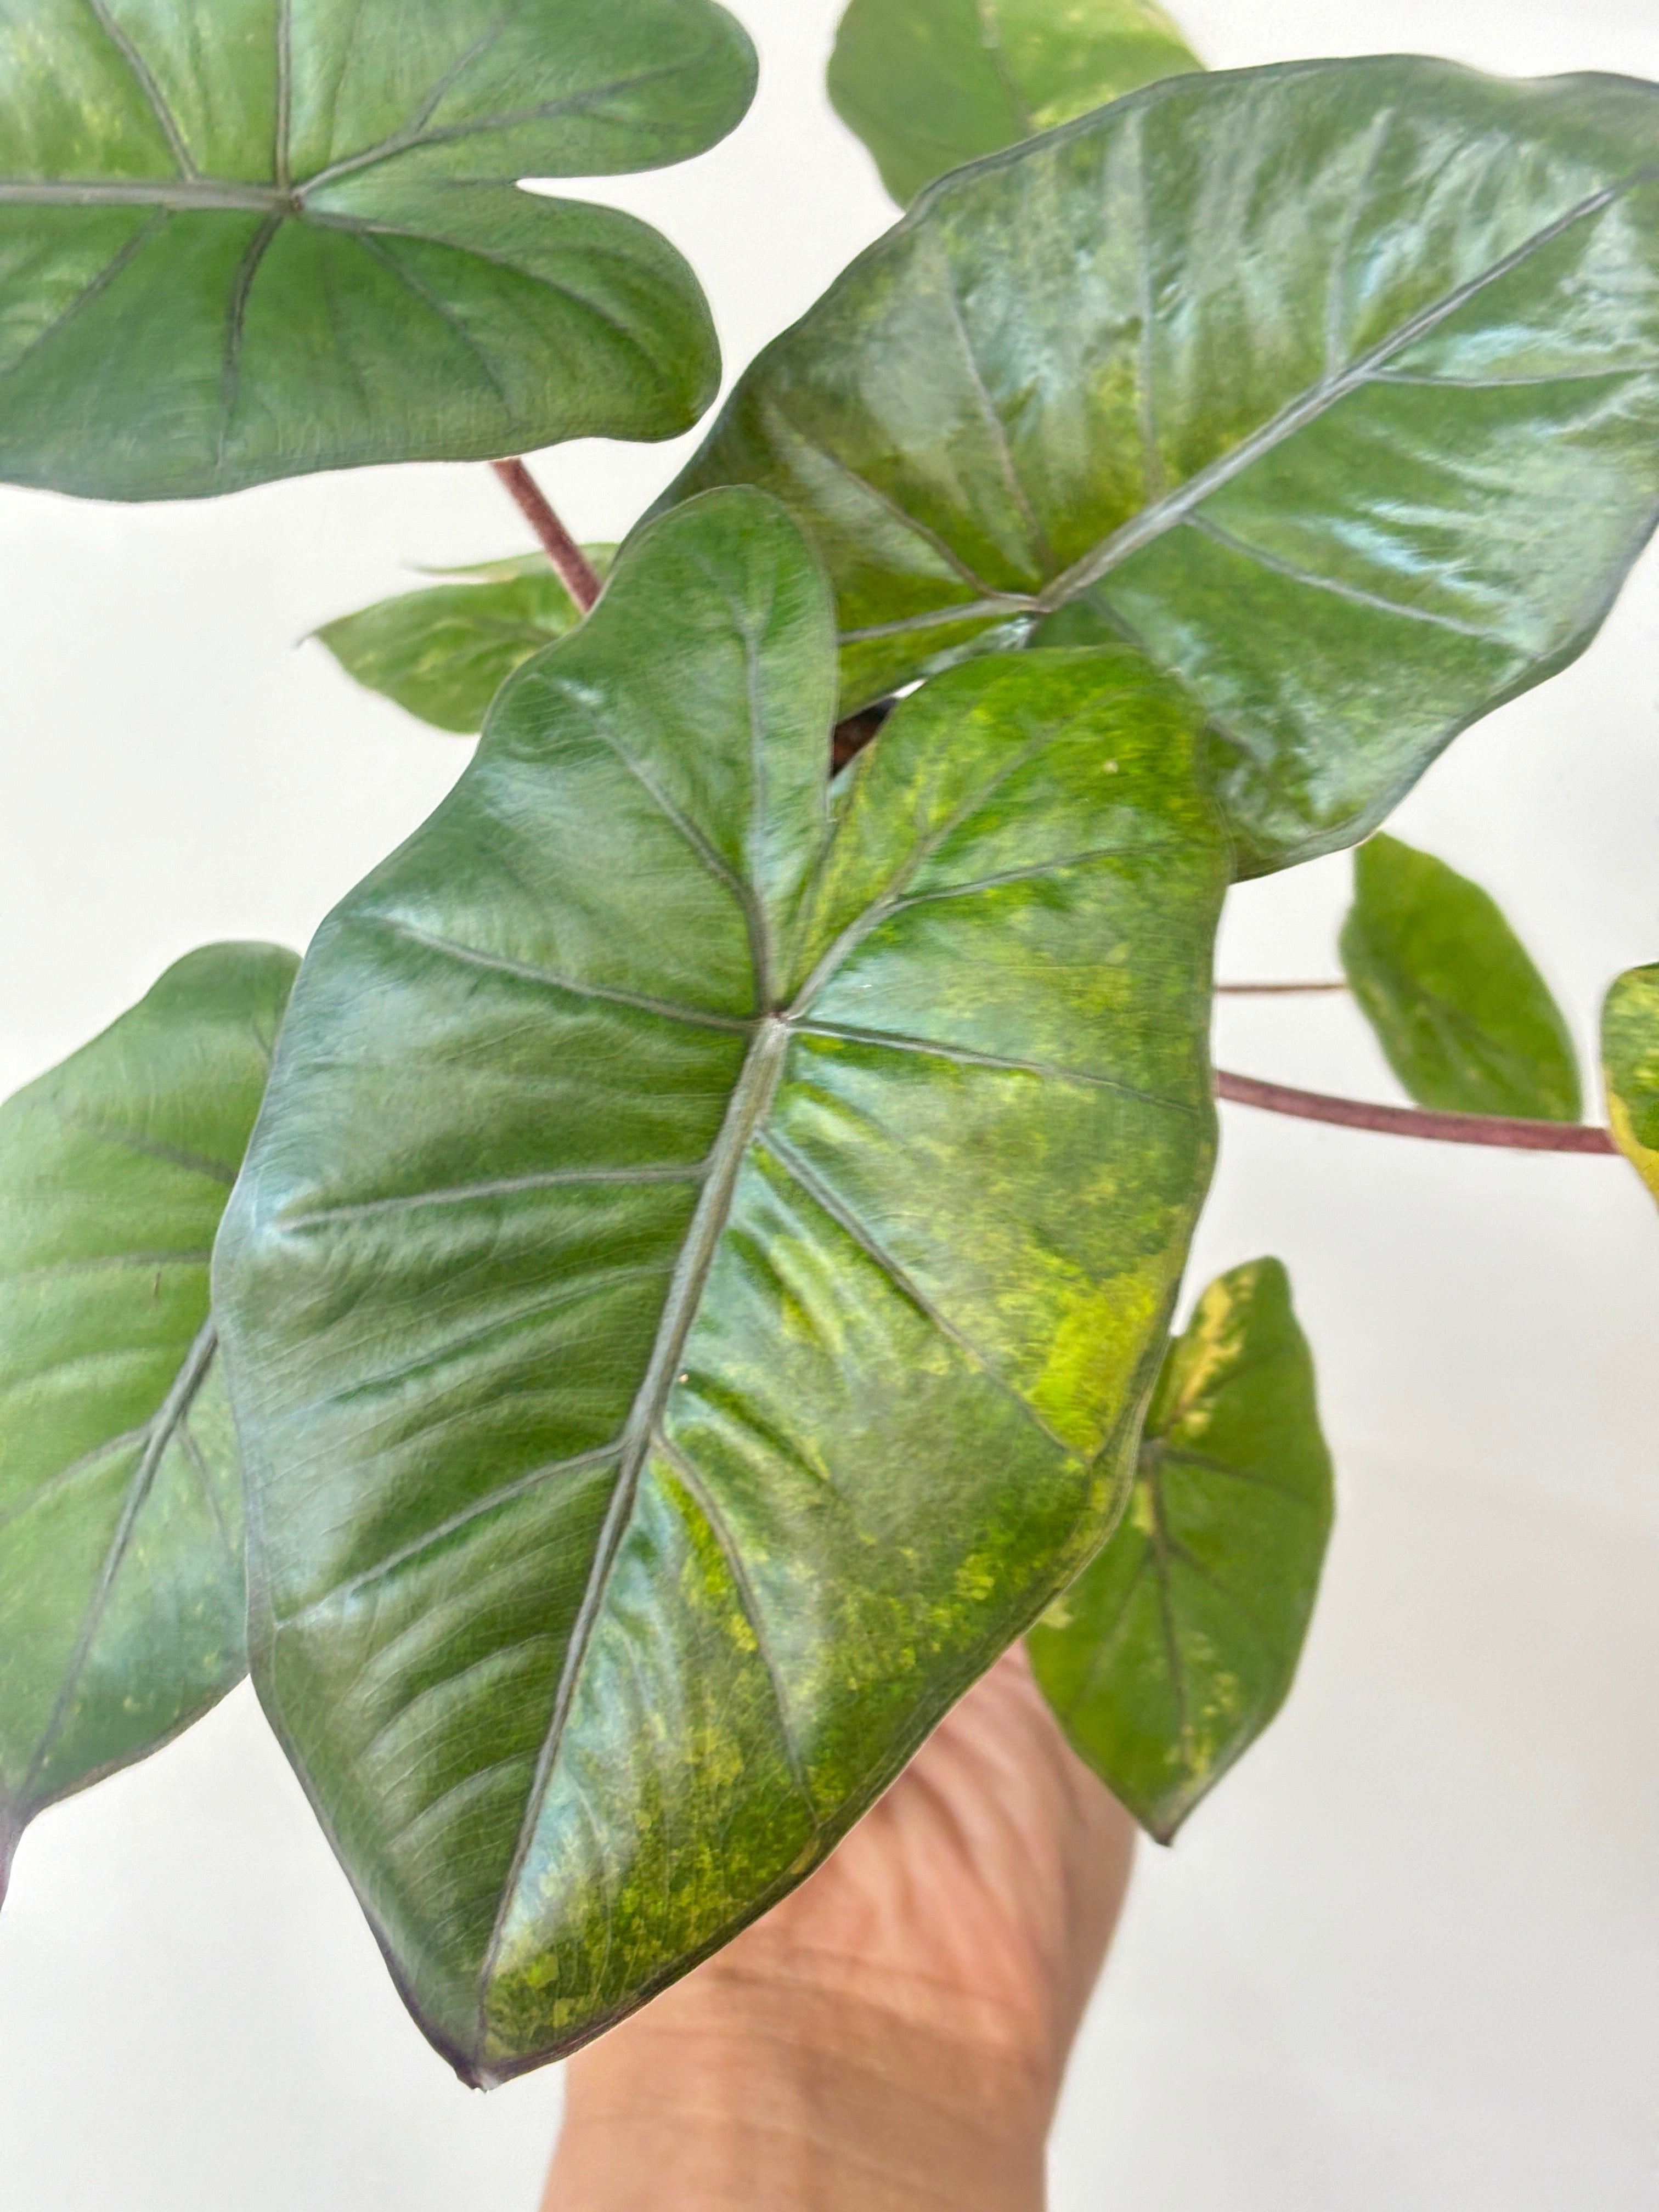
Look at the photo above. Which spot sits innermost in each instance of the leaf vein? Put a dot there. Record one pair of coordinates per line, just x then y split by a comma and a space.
1294, 573
92, 289
750, 1103
374, 245
145, 78
470, 956
159, 1435
896, 1041
779, 1149
703, 1498
1144, 528
521, 1486
501, 1186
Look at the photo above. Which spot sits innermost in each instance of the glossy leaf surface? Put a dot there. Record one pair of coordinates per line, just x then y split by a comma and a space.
1335, 385
929, 84
121, 1589
294, 228
1169, 1655
1463, 1017
444, 652
704, 1253
1630, 1054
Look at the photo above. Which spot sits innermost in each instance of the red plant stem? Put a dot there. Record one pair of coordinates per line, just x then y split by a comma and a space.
1272, 990
570, 564
1494, 1129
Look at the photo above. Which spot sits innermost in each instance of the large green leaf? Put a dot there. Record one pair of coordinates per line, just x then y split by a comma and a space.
121, 1594
1629, 1055
1168, 1657
245, 239
701, 1265
443, 653
929, 84
1334, 385
1465, 1019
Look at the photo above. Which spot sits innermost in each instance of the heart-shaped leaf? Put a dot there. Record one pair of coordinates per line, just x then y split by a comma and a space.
929, 84
700, 1267
1169, 1655
121, 1591
247, 239
1335, 385
1465, 1019
444, 653
1629, 1055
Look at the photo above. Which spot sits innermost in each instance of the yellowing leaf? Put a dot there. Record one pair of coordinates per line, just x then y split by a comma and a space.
1630, 1052
1169, 1654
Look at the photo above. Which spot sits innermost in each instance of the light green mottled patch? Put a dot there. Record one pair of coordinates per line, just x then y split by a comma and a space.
1173, 1650
1630, 1057
444, 652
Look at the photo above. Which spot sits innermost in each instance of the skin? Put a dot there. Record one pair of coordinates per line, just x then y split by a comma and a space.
892, 2037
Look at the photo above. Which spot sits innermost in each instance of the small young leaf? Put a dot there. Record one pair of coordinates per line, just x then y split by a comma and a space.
702, 1264
1169, 1654
929, 84
1630, 1054
1465, 1019
121, 1587
247, 239
445, 652
1291, 371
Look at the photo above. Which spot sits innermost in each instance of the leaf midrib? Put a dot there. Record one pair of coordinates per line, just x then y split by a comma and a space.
1150, 523
750, 1103
159, 1434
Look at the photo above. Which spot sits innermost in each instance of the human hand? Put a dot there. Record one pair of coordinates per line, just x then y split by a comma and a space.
894, 2034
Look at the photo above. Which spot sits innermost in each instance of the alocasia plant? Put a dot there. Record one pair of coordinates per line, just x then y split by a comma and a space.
702, 1280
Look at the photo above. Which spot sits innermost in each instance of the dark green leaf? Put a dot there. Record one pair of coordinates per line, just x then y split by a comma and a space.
245, 239
700, 1267
1465, 1019
121, 1595
1168, 1657
1630, 1054
1334, 385
444, 653
929, 84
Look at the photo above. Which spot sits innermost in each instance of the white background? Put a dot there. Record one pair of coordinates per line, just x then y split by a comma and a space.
1409, 1958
